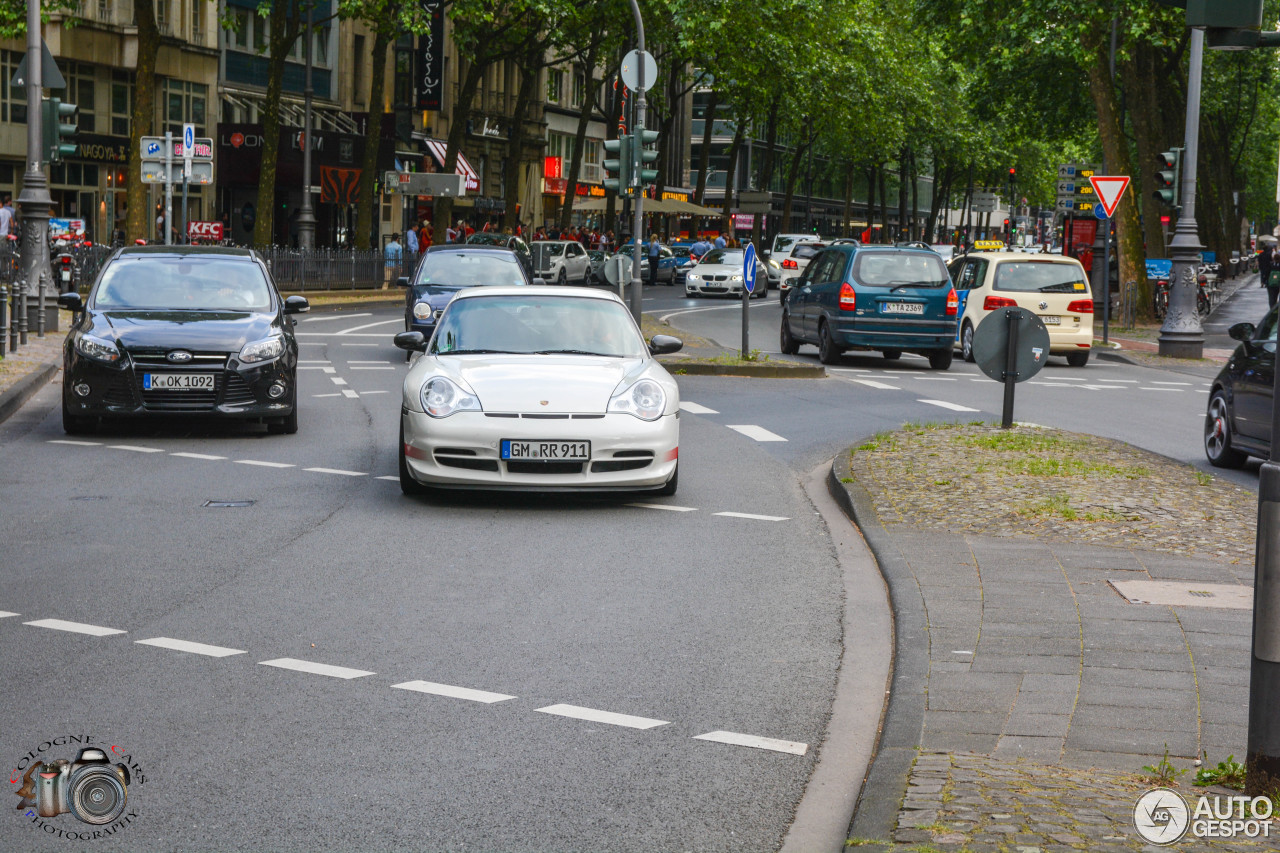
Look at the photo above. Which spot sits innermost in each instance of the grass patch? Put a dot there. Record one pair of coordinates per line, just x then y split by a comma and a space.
1017, 441
1059, 506
1229, 773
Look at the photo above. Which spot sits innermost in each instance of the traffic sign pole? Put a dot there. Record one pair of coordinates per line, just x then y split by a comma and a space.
748, 285
168, 187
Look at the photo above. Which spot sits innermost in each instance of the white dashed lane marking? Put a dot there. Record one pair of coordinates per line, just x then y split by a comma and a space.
752, 516
6, 613
755, 741
453, 692
392, 478
667, 507
349, 394
313, 361
134, 448
325, 367
955, 407
337, 317
334, 394
871, 383
757, 432
355, 329
76, 443
264, 464
205, 456
190, 647
338, 380
595, 716
382, 361
337, 471
695, 409
316, 668
75, 627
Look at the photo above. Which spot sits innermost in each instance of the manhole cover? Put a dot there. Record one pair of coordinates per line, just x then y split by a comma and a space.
222, 504
1184, 594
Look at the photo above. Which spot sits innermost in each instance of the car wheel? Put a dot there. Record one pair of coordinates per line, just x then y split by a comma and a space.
408, 485
940, 359
966, 342
563, 278
288, 425
75, 424
669, 488
828, 352
1078, 359
782, 297
786, 343
1217, 434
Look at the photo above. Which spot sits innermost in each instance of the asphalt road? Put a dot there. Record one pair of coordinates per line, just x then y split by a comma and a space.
377, 672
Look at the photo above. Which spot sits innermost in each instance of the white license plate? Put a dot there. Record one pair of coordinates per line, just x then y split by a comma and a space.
177, 382
1051, 321
901, 307
572, 451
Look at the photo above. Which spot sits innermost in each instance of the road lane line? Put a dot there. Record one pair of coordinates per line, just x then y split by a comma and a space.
355, 329
6, 613
263, 464
76, 443
192, 648
337, 317
356, 345
314, 361
337, 471
367, 393
955, 407
453, 692
695, 409
594, 716
134, 448
755, 742
315, 668
75, 627
668, 507
325, 368
871, 383
1051, 384
206, 456
371, 367
349, 394
752, 516
757, 432
1092, 387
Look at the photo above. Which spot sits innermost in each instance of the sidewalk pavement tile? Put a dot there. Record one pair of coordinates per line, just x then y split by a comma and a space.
984, 701
1024, 724
1056, 664
1090, 737
1117, 696
1032, 747
1121, 677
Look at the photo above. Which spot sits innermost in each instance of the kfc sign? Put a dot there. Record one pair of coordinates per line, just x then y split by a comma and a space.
204, 231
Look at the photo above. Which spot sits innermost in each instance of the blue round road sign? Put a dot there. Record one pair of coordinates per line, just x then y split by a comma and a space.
749, 268
1099, 211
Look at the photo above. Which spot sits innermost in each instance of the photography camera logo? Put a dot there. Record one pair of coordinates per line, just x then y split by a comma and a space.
92, 788
1161, 816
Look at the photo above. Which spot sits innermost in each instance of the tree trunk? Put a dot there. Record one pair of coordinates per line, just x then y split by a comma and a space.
704, 155
457, 132
848, 199
1138, 76
904, 168
915, 197
885, 232
515, 137
871, 203
138, 217
770, 144
731, 174
286, 23
1129, 234
793, 175
580, 137
365, 233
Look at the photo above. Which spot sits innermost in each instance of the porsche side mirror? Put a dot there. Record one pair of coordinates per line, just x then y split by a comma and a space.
411, 341
665, 345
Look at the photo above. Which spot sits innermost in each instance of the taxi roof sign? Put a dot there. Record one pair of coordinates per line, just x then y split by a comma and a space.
1109, 189
988, 245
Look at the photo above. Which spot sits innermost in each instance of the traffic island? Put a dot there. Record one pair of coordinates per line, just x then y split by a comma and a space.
703, 357
1072, 621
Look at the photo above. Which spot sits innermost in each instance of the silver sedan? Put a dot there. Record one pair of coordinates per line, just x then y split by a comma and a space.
720, 272
538, 391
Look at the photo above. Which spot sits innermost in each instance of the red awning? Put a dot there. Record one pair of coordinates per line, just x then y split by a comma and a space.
439, 147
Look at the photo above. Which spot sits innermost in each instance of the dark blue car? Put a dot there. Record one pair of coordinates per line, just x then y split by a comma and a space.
448, 268
886, 298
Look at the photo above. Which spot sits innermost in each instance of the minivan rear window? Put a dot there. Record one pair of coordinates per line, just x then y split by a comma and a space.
1040, 277
892, 269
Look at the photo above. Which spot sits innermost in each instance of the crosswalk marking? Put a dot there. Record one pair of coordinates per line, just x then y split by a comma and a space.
955, 407
871, 383
667, 507
190, 647
757, 432
753, 517
206, 456
315, 668
75, 627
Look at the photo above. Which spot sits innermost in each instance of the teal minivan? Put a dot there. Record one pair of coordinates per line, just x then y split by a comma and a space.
891, 299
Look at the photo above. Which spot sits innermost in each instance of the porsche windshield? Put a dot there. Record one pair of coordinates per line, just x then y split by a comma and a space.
537, 324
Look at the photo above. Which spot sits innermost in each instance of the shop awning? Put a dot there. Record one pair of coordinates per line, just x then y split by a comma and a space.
439, 148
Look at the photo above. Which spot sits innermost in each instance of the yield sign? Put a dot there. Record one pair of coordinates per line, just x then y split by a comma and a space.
1109, 188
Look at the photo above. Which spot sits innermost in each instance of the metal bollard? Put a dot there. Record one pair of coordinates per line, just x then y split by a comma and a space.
22, 313
4, 319
40, 309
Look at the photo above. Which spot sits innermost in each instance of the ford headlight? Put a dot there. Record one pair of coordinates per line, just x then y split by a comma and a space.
422, 311
267, 349
441, 397
97, 349
645, 399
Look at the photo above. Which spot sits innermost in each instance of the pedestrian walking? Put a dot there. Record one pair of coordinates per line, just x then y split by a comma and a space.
720, 241
6, 216
655, 255
391, 255
411, 242
1272, 277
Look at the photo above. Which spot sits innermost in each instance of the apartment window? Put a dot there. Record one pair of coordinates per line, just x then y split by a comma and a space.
555, 86
197, 18
182, 102
579, 89
13, 99
80, 91
162, 16
358, 88
238, 37
121, 102
104, 10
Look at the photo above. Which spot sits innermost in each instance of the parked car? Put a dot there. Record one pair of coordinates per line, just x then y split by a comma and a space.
551, 389
783, 244
884, 298
795, 264
597, 259
1054, 287
561, 261
446, 269
1237, 422
181, 330
505, 241
720, 273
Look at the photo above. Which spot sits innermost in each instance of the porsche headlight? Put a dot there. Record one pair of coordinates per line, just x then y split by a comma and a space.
644, 399
97, 349
442, 397
422, 311
267, 349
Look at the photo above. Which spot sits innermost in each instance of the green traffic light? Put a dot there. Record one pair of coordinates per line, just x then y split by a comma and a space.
618, 168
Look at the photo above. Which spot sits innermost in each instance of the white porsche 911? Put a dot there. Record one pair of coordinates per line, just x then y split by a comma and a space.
544, 389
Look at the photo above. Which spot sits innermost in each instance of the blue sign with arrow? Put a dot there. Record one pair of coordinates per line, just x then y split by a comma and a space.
749, 268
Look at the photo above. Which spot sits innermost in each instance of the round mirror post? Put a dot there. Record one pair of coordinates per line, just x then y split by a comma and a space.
1010, 369
1262, 762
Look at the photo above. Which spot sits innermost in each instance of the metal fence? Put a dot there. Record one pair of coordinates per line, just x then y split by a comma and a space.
334, 269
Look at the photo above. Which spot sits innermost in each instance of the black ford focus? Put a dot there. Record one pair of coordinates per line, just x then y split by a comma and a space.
181, 330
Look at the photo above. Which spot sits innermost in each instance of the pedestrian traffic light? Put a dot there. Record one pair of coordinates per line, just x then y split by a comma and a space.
618, 167
57, 134
643, 177
1168, 179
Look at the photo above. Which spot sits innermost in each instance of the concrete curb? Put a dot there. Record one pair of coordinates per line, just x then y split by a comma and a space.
16, 395
876, 814
677, 367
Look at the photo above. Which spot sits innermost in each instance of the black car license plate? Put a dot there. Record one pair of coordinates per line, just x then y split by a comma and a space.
541, 449
177, 382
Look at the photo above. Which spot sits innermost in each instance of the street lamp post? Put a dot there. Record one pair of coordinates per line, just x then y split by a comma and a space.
34, 200
306, 215
638, 222
1182, 336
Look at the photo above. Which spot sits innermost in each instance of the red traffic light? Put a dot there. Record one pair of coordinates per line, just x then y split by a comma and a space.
1012, 171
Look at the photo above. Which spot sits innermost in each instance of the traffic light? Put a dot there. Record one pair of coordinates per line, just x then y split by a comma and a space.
618, 167
643, 177
57, 134
1012, 172
1168, 179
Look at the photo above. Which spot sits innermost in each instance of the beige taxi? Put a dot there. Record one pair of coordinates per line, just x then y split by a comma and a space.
1054, 287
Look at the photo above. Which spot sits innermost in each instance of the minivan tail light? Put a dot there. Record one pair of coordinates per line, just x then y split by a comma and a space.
953, 303
848, 298
789, 264
1081, 306
991, 303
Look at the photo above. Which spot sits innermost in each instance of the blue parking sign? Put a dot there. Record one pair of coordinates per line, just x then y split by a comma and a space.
749, 268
